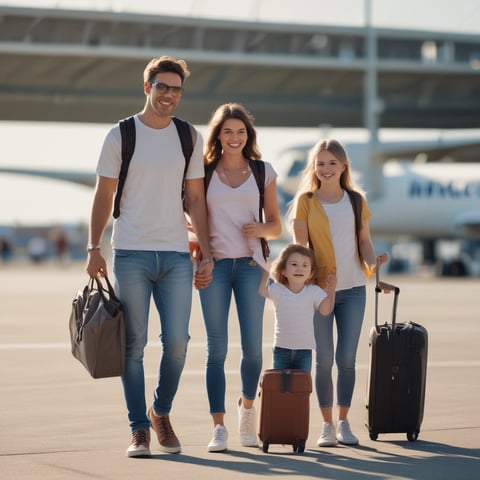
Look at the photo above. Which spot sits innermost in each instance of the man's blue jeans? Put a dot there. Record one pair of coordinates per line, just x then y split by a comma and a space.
348, 311
242, 276
167, 276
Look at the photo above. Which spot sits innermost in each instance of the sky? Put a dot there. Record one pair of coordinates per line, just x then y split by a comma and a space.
459, 16
33, 200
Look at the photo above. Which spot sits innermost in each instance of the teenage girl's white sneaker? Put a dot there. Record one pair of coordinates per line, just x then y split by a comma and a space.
218, 443
328, 437
246, 425
344, 433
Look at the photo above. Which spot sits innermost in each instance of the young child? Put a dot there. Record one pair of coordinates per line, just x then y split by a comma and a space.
295, 298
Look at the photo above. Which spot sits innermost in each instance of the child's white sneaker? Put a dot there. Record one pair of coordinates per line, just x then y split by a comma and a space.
246, 425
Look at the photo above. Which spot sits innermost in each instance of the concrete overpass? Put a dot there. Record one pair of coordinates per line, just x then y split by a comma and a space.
66, 65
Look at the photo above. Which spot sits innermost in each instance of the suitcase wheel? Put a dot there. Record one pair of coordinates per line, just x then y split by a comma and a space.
373, 435
412, 436
299, 447
265, 447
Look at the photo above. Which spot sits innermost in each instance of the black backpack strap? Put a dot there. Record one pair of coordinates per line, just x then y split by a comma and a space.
209, 168
357, 204
356, 201
127, 130
188, 138
258, 169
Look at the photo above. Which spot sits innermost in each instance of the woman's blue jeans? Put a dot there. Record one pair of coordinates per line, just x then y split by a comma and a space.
288, 358
348, 312
167, 276
242, 276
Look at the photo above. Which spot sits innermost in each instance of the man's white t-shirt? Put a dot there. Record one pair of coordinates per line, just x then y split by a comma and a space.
294, 315
151, 210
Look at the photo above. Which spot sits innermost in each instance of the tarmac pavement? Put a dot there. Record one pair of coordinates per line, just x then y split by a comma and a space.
58, 423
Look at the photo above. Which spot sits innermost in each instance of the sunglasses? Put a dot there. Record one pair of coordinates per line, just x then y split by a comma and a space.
164, 88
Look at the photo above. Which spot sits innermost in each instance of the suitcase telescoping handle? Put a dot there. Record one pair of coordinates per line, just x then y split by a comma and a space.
379, 286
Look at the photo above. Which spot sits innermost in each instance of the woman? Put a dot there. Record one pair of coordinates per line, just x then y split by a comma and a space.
331, 215
235, 232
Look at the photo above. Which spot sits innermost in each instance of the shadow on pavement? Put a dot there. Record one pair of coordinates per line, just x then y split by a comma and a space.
409, 462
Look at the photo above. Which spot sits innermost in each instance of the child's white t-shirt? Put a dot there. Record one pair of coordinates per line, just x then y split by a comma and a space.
294, 315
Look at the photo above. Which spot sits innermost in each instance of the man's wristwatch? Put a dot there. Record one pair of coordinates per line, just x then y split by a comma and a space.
91, 247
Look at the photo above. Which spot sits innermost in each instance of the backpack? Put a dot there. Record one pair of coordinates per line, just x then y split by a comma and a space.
187, 135
357, 206
258, 169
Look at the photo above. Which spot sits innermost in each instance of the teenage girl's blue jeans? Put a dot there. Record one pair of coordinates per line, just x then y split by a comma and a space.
167, 276
242, 276
288, 358
348, 312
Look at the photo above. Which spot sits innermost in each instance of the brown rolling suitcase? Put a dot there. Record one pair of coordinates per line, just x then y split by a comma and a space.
285, 408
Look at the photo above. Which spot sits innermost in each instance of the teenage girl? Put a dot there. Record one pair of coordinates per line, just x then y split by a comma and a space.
331, 216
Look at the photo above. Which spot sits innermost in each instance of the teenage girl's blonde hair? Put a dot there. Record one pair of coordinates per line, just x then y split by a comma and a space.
309, 181
280, 263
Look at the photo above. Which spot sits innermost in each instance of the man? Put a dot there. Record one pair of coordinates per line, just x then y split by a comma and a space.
150, 246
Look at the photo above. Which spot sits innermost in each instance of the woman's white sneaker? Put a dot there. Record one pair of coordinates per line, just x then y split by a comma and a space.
344, 433
328, 437
218, 443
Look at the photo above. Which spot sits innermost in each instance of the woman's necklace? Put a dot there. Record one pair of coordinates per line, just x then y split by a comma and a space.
233, 176
229, 171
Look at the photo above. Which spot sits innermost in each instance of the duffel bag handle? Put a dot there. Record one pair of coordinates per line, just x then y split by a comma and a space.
109, 289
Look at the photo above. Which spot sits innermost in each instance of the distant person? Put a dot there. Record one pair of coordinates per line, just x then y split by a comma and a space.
295, 300
150, 246
331, 216
60, 242
37, 249
5, 249
233, 201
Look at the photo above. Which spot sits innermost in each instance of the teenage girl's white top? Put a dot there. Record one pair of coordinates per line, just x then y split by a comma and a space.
231, 208
342, 230
151, 210
294, 315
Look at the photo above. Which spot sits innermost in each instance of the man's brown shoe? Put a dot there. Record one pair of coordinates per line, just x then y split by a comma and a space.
140, 446
166, 436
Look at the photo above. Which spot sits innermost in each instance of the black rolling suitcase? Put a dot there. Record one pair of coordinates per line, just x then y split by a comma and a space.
285, 408
397, 374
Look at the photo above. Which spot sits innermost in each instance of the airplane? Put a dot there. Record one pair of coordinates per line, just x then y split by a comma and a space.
427, 190
424, 190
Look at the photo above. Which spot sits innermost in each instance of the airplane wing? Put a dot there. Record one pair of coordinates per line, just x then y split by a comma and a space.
82, 178
458, 150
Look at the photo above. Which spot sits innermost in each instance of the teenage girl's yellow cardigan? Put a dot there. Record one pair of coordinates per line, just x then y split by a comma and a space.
310, 210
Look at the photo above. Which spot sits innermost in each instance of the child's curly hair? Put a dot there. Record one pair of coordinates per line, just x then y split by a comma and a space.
281, 262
